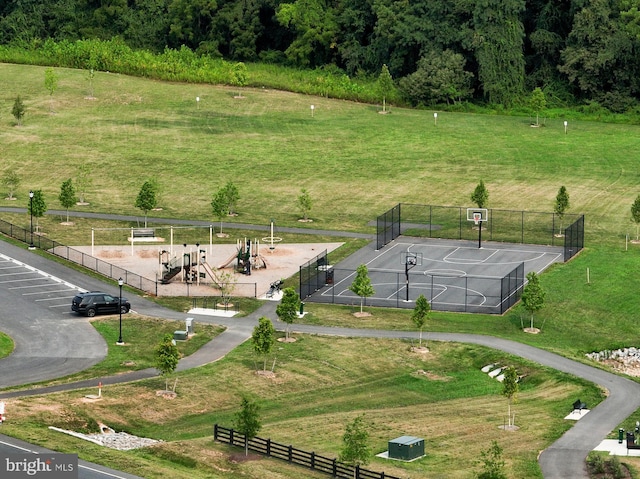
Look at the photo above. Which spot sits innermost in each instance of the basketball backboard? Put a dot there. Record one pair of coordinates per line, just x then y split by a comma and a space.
411, 259
477, 215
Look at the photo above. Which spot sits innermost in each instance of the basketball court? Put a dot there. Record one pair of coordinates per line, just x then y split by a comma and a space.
454, 275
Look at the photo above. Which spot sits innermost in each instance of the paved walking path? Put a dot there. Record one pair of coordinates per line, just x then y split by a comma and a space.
564, 459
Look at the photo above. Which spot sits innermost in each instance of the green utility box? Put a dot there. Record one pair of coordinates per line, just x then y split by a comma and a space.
180, 335
406, 448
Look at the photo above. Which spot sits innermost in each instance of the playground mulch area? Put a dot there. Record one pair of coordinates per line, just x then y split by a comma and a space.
283, 261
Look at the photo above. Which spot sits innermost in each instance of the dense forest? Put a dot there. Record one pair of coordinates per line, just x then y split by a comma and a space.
437, 51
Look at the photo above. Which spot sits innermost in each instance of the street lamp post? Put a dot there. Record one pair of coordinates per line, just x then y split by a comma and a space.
31, 245
120, 283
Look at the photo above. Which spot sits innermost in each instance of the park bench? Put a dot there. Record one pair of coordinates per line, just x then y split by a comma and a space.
274, 288
579, 405
142, 234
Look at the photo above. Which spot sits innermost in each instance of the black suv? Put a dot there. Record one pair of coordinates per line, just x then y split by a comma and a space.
96, 302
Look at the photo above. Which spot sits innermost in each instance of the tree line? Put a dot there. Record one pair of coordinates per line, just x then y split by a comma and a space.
437, 51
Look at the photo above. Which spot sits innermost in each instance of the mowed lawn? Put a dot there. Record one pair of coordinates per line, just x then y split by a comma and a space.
354, 162
320, 385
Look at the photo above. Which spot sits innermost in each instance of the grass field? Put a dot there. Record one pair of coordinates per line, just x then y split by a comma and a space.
356, 164
318, 388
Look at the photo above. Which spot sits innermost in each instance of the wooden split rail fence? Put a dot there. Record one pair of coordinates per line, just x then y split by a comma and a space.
310, 460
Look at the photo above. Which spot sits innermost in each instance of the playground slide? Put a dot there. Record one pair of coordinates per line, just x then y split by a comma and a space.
208, 269
231, 259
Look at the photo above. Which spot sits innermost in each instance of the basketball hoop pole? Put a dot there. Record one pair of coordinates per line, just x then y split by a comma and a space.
480, 234
408, 265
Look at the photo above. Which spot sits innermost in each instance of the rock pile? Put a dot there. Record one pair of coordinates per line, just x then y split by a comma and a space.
115, 440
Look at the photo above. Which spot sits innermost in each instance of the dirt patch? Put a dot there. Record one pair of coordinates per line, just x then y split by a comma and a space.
420, 350
114, 253
531, 330
287, 340
509, 428
166, 394
266, 374
364, 314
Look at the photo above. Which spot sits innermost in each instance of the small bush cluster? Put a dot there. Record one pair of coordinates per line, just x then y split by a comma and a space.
602, 468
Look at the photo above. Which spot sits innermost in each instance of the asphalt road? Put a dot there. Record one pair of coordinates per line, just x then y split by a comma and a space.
562, 460
86, 470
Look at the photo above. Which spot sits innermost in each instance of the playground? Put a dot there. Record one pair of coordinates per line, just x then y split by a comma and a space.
189, 270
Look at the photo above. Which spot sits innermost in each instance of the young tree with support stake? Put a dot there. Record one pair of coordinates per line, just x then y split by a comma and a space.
385, 86
304, 203
167, 357
247, 421
232, 196
510, 390
533, 295
561, 204
147, 199
480, 195
362, 284
83, 182
51, 84
11, 180
67, 196
220, 206
288, 308
421, 314
537, 102
37, 207
263, 339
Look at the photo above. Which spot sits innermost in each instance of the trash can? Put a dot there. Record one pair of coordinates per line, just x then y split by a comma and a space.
301, 308
620, 435
329, 276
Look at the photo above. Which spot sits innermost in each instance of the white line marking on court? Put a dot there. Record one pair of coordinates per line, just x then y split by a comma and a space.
454, 273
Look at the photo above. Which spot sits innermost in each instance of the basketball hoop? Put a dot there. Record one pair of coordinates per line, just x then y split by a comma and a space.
477, 217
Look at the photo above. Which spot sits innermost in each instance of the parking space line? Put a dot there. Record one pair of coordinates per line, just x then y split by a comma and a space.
21, 280
53, 299
46, 292
33, 286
